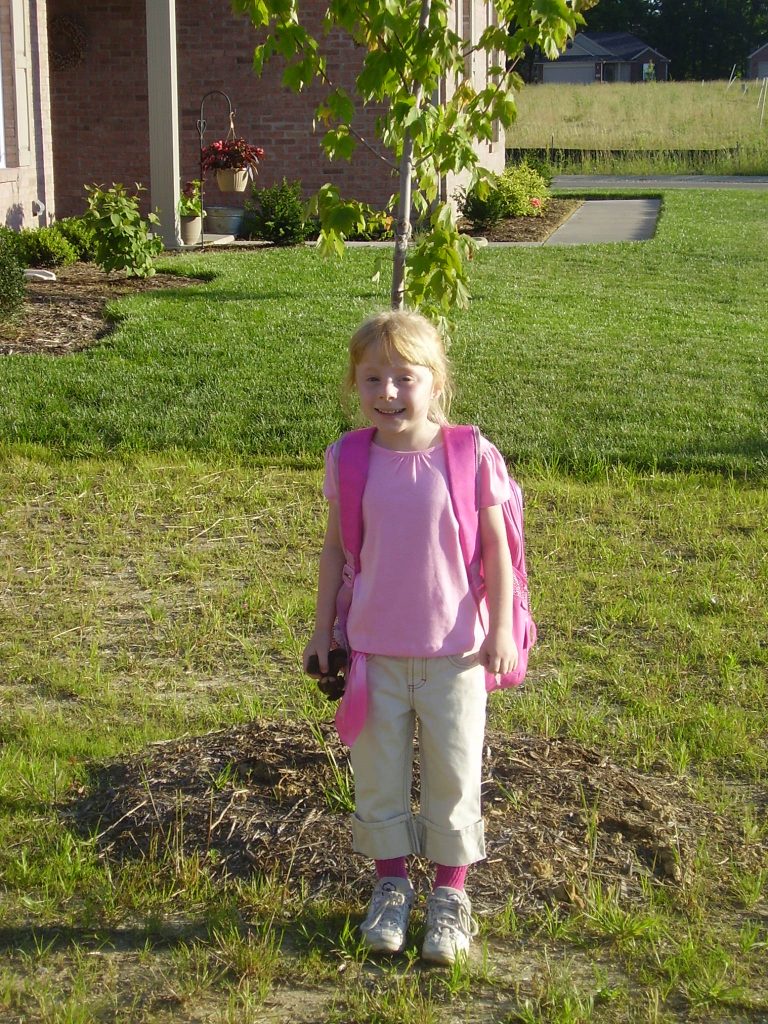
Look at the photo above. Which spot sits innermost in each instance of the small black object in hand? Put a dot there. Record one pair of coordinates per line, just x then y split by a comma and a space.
332, 683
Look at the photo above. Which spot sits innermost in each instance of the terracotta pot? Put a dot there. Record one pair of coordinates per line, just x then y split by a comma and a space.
191, 229
230, 180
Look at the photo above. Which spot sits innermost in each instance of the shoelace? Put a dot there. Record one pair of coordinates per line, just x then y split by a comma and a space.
449, 912
384, 901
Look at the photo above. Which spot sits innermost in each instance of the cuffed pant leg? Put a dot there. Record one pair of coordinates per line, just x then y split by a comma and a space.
451, 705
382, 764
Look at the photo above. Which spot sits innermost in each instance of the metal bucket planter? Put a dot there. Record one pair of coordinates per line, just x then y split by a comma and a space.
224, 220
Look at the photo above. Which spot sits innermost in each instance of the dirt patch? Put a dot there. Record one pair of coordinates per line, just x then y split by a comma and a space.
69, 314
266, 797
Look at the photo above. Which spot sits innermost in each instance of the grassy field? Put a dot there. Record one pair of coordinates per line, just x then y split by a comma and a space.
161, 525
662, 118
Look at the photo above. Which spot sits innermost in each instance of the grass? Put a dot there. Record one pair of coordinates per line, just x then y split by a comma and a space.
161, 523
667, 127
247, 367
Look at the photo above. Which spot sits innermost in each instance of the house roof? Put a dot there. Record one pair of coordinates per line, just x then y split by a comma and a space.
755, 52
621, 46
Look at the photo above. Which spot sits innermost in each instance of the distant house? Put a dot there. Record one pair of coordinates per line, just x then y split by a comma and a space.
604, 57
758, 62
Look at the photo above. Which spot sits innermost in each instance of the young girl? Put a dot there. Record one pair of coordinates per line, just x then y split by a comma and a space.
416, 635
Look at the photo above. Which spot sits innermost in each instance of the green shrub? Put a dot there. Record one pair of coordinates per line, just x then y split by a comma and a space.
45, 247
11, 274
121, 236
12, 240
542, 166
523, 191
378, 225
483, 205
277, 214
80, 236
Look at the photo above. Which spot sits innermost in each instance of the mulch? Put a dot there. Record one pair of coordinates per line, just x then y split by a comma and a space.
528, 229
264, 798
70, 314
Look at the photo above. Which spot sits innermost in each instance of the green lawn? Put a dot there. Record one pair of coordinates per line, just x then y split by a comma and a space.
161, 518
649, 355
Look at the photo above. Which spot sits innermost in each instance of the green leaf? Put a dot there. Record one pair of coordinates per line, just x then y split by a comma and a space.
339, 144
340, 105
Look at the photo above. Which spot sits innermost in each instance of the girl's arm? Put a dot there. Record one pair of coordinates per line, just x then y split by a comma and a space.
331, 564
498, 652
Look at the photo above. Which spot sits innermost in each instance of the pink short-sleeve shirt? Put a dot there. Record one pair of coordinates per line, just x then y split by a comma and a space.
411, 597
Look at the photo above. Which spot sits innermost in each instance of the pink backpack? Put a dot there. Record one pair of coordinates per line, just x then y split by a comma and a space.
462, 456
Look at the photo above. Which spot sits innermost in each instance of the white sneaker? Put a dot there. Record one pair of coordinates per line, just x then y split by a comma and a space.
384, 929
450, 925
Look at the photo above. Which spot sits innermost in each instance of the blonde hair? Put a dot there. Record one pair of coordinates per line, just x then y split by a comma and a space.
399, 335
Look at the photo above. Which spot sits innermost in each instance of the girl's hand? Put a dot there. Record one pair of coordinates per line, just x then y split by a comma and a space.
319, 644
498, 653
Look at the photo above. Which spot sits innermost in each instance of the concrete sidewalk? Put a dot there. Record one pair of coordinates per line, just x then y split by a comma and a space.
608, 220
630, 220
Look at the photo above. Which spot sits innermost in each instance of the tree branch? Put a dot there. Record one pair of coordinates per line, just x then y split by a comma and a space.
380, 156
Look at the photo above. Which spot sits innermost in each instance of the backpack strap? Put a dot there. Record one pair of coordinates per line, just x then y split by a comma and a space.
352, 470
462, 460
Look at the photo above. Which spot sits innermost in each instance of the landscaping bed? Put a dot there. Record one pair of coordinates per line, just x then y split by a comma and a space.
70, 313
528, 229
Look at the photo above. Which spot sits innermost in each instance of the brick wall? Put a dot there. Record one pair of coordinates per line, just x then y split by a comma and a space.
100, 112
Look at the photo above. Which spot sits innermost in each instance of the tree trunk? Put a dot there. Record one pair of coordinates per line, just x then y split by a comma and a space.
403, 229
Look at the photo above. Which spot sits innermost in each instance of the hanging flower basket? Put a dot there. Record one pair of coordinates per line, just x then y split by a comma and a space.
232, 179
234, 160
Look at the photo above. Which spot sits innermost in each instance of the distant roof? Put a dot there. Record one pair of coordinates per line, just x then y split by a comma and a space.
607, 46
755, 52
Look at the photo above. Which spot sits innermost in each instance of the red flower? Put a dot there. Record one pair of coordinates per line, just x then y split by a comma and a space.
234, 154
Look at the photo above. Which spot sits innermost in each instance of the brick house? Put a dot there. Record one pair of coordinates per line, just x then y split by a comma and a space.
604, 57
758, 62
111, 90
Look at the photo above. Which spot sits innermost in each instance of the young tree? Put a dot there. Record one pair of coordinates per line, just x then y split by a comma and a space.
410, 51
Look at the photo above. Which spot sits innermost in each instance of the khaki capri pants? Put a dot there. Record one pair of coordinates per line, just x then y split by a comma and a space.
448, 698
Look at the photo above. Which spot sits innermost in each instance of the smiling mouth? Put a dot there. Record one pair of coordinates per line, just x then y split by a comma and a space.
390, 412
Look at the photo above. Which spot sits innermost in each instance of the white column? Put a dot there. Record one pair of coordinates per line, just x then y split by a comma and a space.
164, 166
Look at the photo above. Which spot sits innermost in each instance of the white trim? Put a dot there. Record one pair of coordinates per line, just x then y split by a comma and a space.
22, 66
162, 80
2, 112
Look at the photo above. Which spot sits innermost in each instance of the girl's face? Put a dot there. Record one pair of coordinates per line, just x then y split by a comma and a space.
396, 399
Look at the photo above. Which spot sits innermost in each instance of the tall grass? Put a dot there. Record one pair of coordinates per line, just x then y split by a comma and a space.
664, 119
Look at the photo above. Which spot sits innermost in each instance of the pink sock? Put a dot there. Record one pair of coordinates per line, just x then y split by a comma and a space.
395, 868
450, 876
